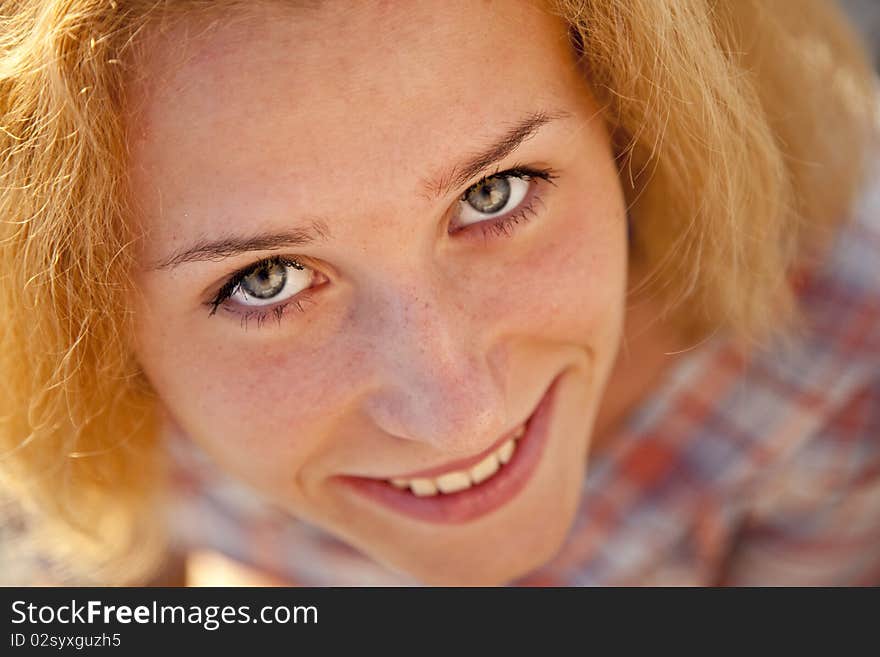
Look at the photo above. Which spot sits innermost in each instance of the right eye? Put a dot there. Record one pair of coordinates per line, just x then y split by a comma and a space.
265, 283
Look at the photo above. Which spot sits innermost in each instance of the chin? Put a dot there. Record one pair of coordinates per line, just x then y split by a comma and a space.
498, 570
490, 564
486, 557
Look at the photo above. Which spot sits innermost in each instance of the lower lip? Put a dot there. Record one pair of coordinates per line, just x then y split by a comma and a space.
478, 500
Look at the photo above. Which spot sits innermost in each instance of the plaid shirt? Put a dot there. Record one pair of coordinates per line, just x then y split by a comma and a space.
757, 470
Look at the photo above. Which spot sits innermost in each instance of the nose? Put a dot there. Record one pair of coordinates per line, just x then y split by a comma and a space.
438, 381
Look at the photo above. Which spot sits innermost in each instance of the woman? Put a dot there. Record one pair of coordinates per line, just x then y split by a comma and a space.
398, 271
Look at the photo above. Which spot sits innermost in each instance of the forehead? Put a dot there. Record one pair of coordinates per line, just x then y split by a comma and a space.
271, 95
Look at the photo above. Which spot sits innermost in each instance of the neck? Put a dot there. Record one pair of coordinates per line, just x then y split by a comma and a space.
649, 347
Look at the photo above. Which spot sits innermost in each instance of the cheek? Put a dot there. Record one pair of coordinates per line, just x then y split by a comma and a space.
572, 285
254, 406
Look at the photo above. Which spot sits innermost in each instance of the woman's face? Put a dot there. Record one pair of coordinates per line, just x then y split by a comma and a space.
377, 240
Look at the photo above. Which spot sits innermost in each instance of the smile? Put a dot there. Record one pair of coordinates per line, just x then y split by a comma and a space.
468, 489
463, 478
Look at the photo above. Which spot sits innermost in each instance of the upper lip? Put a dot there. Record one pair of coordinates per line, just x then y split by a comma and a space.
470, 461
461, 464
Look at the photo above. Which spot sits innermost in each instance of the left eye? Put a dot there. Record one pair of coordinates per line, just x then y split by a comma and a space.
492, 196
270, 282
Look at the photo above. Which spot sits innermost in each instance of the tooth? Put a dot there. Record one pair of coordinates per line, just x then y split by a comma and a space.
485, 469
400, 483
519, 432
453, 482
505, 452
423, 487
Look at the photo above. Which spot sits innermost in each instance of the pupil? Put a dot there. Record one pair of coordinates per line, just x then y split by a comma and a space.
489, 195
265, 282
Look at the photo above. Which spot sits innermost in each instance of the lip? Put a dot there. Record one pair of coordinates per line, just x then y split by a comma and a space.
481, 499
461, 464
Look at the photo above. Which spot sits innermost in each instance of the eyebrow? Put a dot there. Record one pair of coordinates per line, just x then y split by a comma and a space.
503, 146
317, 230
225, 247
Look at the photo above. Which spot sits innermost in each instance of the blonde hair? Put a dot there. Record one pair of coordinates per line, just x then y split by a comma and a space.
741, 129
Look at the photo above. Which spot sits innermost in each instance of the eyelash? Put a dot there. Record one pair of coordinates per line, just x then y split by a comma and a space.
497, 227
503, 226
231, 286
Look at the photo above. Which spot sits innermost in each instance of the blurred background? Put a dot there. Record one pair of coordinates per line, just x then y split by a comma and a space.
866, 16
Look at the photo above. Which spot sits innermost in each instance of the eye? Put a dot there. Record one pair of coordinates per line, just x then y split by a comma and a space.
268, 287
270, 282
493, 196
266, 283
